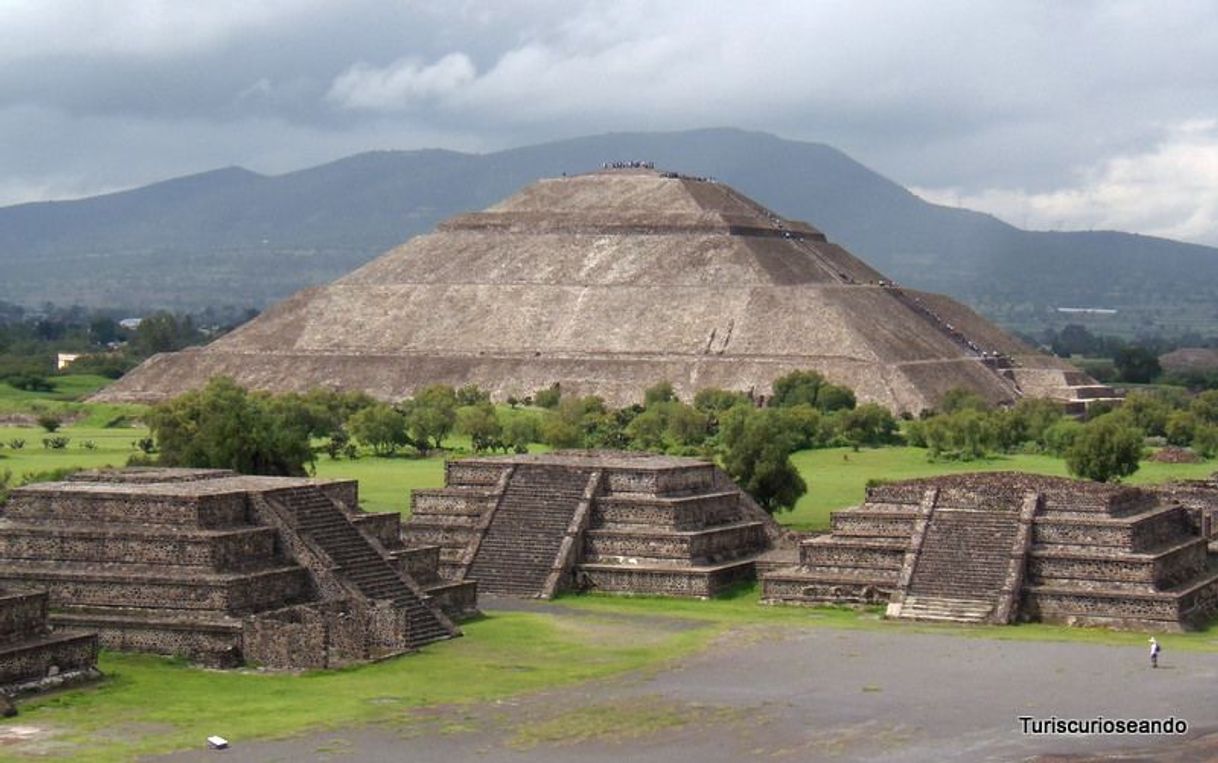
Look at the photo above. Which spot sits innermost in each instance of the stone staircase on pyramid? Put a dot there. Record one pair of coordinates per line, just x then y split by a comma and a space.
521, 546
536, 524
966, 558
370, 570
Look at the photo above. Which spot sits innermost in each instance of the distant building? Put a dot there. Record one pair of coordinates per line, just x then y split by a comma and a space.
1087, 310
131, 324
64, 359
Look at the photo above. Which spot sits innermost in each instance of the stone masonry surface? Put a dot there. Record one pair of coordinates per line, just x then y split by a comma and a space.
1061, 550
224, 568
603, 520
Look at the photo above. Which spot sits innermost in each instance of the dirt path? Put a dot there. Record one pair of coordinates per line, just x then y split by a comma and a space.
816, 694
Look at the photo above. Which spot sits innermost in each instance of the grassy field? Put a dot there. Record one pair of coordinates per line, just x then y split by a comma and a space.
149, 705
837, 477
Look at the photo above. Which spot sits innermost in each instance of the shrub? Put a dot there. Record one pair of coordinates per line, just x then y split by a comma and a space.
56, 442
222, 426
549, 397
1106, 449
49, 422
379, 427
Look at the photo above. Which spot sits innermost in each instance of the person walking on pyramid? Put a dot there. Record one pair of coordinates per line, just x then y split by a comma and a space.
1154, 652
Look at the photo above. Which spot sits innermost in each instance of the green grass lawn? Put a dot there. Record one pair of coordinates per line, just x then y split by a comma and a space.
837, 477
149, 705
385, 483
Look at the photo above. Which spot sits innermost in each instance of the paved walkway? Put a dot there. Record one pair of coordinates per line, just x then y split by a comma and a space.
777, 693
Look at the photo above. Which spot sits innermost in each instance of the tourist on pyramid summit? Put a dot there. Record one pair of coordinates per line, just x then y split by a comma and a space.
1154, 652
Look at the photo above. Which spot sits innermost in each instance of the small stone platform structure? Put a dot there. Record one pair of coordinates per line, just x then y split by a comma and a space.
32, 656
224, 569
996, 547
533, 525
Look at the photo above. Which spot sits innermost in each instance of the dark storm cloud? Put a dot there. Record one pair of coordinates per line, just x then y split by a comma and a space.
1050, 113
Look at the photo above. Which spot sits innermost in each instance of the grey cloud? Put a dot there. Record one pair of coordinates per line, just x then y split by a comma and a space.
972, 96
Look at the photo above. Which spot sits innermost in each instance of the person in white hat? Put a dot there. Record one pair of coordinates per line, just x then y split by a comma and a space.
1154, 652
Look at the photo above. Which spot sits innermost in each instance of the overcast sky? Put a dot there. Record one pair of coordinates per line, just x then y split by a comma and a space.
1062, 115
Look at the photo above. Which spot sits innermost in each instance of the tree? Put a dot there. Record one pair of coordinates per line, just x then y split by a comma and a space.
380, 427
869, 424
757, 457
482, 425
834, 397
163, 332
795, 388
661, 392
223, 426
1106, 449
430, 415
548, 397
472, 394
1136, 365
715, 400
960, 399
520, 430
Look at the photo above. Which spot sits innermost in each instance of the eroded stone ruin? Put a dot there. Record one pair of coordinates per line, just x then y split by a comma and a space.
533, 525
33, 656
999, 547
225, 569
607, 283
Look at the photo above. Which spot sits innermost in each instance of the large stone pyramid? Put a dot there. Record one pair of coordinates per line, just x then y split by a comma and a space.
607, 283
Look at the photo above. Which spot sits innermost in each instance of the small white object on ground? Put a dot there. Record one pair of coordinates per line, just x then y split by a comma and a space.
217, 743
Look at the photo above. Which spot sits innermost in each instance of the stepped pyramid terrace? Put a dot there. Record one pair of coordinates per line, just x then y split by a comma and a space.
993, 548
33, 656
606, 283
534, 525
224, 569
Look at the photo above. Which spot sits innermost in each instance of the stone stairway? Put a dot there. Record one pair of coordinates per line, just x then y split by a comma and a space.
521, 545
319, 519
962, 566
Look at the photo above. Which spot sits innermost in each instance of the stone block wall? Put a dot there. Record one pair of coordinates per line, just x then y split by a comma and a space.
187, 562
23, 615
1099, 554
673, 522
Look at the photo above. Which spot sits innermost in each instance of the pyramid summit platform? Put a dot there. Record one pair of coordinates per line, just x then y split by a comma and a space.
607, 283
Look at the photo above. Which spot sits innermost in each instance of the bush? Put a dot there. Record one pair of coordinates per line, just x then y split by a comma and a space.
1106, 449
379, 427
757, 457
482, 425
222, 426
49, 422
659, 393
549, 397
430, 416
16, 443
56, 442
519, 431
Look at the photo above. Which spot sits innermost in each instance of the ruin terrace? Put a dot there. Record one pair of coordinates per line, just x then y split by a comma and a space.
534, 525
1004, 546
224, 569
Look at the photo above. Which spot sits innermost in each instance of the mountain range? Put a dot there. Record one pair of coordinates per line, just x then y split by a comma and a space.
232, 237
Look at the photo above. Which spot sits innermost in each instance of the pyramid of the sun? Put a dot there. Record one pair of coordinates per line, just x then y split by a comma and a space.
607, 283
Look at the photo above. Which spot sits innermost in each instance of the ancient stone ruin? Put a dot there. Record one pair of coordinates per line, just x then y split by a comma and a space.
533, 525
225, 569
32, 655
607, 283
999, 547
